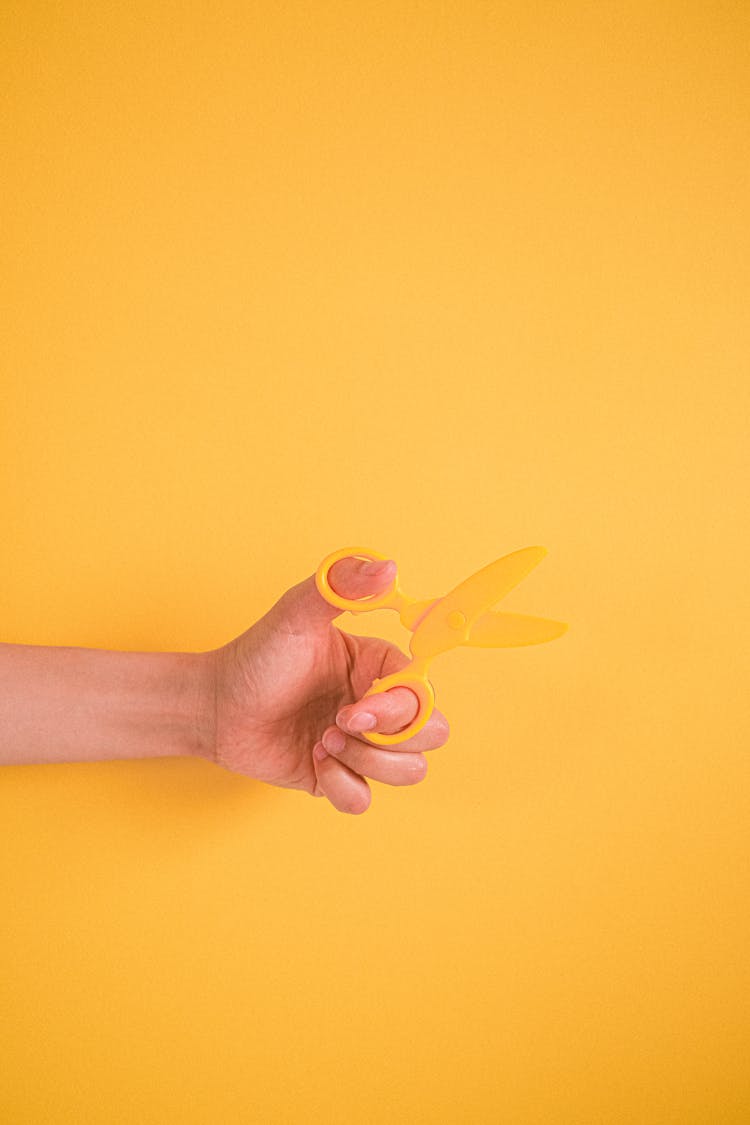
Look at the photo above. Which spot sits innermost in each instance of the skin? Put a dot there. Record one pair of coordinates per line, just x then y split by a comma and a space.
289, 693
280, 703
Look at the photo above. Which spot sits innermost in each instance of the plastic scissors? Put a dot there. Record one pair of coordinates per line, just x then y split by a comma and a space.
462, 617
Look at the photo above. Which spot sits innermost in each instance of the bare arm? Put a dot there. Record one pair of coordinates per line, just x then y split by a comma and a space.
285, 702
85, 704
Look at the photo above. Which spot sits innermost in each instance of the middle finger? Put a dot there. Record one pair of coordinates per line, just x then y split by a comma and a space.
393, 767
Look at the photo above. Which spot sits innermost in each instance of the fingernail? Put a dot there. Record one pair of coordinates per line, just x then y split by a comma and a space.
373, 569
363, 720
334, 741
319, 752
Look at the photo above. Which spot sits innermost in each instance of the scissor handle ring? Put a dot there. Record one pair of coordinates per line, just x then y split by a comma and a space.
354, 605
425, 694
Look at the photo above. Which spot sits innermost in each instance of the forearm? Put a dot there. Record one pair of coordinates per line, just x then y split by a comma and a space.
84, 704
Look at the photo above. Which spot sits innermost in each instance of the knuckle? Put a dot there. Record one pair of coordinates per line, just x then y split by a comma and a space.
357, 804
406, 773
440, 727
418, 768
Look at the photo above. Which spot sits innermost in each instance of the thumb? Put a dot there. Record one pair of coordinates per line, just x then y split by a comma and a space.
304, 607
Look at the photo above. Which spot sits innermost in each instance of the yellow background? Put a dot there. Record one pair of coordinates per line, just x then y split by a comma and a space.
445, 279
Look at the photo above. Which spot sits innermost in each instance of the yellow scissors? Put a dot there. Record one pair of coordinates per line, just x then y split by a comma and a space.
462, 617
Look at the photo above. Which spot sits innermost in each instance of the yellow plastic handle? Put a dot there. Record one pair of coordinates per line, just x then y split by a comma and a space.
425, 694
389, 599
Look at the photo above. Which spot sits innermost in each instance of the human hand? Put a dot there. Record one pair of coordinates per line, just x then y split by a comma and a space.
289, 707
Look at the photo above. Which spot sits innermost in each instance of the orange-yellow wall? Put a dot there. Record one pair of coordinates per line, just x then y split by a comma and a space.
445, 279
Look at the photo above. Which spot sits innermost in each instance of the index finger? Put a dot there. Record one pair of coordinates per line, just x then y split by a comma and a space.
434, 733
387, 712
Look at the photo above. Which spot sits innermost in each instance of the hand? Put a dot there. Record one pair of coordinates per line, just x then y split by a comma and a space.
289, 697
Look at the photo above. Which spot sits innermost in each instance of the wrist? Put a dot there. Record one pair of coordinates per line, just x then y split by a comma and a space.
163, 705
201, 741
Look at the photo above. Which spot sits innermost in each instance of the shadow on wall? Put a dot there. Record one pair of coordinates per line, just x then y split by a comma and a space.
168, 801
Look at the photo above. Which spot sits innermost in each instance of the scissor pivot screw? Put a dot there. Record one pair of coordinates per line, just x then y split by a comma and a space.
456, 619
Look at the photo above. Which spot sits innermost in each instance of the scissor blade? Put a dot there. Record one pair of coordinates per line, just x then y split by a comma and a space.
492, 582
448, 623
508, 630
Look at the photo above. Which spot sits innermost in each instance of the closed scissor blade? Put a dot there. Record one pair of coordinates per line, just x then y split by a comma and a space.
449, 621
508, 630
